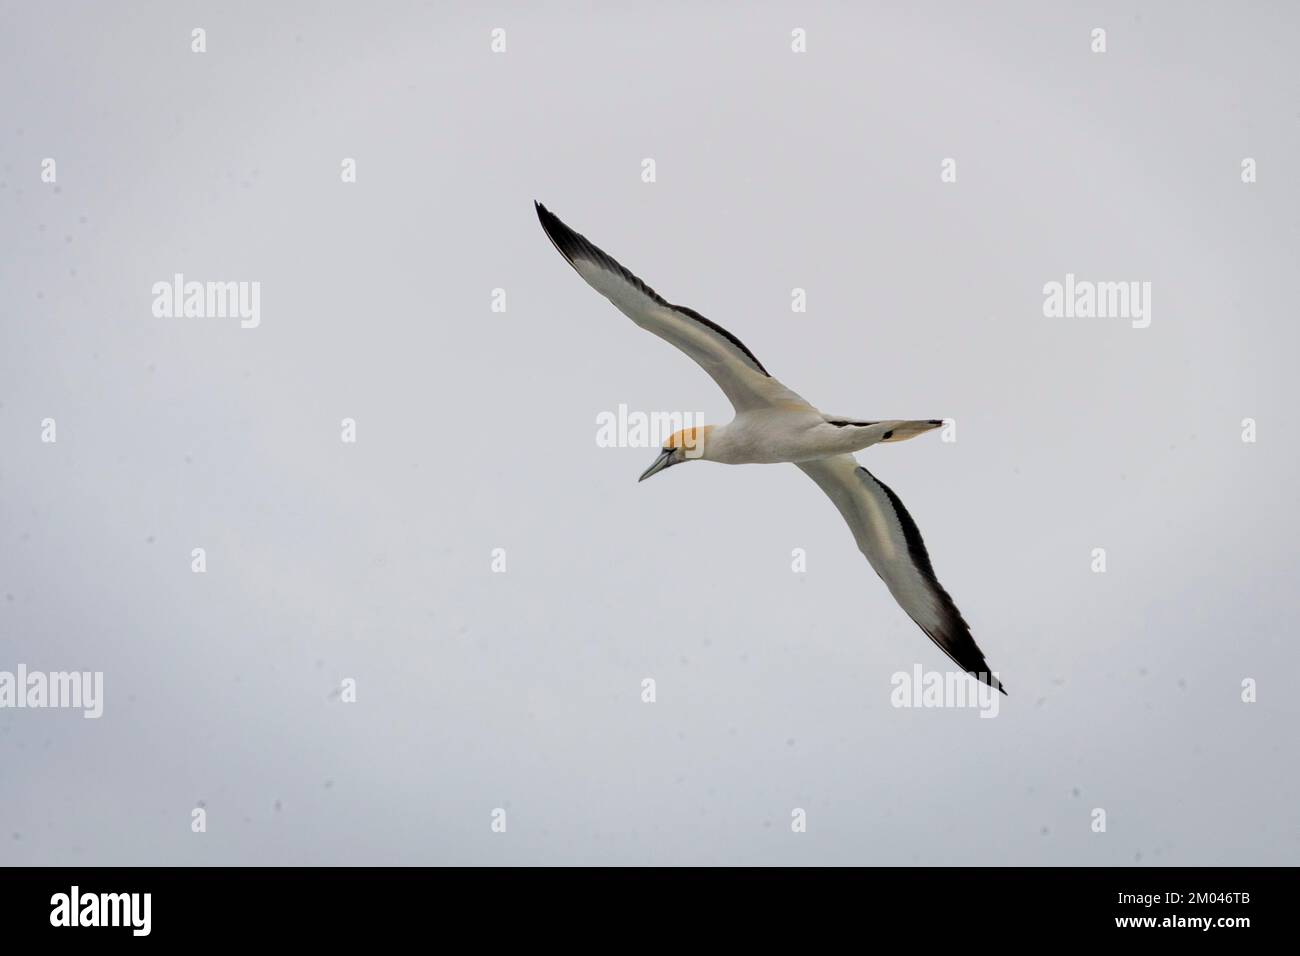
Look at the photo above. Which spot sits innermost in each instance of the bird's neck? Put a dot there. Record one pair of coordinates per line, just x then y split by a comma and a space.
696, 441
712, 442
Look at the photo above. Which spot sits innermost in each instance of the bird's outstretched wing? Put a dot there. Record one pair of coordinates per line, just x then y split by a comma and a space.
890, 540
737, 371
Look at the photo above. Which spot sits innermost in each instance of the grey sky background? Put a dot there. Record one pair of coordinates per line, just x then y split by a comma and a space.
476, 430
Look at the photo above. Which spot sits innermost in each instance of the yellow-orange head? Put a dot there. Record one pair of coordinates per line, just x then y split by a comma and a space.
689, 440
682, 445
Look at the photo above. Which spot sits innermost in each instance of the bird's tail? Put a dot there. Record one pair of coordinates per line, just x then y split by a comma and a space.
901, 431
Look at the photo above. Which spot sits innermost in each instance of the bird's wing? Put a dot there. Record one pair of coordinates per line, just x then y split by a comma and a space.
738, 373
890, 540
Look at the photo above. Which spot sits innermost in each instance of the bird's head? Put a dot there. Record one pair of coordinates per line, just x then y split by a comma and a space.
683, 445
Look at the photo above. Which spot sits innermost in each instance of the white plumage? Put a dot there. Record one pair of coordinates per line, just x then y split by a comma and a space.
774, 424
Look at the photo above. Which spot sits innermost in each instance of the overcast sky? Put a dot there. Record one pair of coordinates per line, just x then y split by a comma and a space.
372, 561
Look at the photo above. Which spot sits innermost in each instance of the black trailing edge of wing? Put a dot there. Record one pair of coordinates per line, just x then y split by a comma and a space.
574, 246
957, 640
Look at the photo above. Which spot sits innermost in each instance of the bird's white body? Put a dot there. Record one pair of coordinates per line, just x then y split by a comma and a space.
775, 425
766, 436
794, 434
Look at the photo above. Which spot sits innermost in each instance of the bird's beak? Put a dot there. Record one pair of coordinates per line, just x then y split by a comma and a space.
663, 461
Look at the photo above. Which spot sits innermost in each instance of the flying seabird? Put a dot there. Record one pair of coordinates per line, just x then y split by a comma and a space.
773, 424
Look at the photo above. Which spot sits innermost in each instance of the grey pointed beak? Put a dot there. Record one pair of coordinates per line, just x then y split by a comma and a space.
664, 460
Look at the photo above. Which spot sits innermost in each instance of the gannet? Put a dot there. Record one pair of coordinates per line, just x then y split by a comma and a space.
772, 424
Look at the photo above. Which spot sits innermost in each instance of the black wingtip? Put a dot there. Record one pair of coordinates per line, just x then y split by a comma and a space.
989, 678
567, 242
575, 247
544, 216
